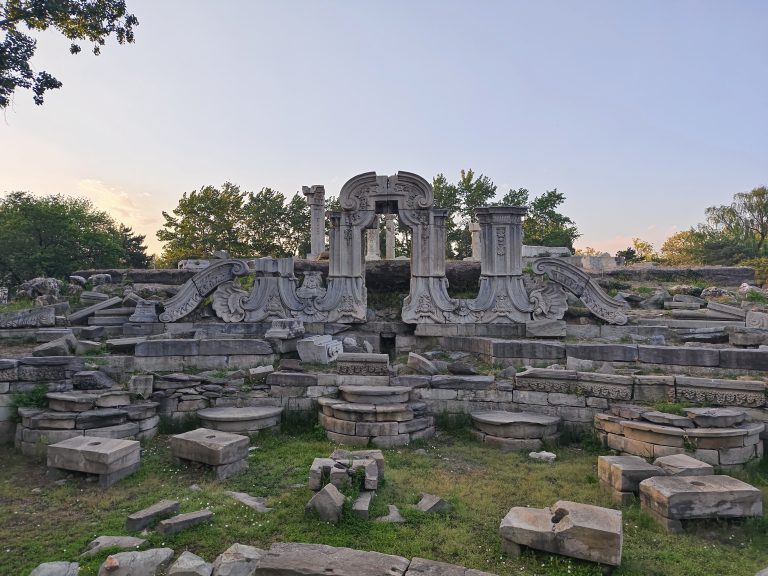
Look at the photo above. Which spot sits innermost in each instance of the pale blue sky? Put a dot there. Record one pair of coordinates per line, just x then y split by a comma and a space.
642, 113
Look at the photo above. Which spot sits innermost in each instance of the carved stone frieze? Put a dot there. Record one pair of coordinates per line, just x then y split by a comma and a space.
549, 302
32, 318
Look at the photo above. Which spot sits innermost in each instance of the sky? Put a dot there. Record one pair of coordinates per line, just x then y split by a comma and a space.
642, 113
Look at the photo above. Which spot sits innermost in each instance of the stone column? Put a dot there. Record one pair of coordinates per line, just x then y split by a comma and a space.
316, 200
474, 229
373, 246
391, 228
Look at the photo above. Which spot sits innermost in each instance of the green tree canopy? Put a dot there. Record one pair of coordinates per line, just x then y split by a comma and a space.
242, 223
543, 225
90, 20
461, 200
55, 235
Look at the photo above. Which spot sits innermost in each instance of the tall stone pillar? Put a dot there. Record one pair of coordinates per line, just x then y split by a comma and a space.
373, 245
474, 229
390, 226
316, 200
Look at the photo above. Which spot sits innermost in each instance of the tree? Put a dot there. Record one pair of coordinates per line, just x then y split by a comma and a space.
543, 225
90, 20
462, 200
53, 236
245, 224
640, 251
683, 248
134, 249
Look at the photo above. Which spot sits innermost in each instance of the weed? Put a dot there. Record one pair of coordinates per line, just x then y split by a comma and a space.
671, 407
34, 398
757, 297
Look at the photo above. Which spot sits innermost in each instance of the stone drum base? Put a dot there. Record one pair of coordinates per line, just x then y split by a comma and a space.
249, 420
514, 430
108, 458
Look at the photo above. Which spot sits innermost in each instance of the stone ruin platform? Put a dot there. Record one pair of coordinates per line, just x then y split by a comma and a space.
672, 500
514, 430
225, 453
381, 415
249, 420
577, 530
718, 436
109, 459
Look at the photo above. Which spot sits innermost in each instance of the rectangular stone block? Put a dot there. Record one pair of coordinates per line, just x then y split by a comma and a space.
291, 379
234, 346
638, 448
81, 315
462, 382
744, 359
182, 521
624, 473
679, 355
179, 347
654, 388
603, 352
744, 393
93, 455
528, 349
558, 399
146, 517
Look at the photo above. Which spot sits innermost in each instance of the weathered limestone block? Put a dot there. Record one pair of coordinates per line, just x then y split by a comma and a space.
422, 567
125, 430
420, 364
146, 517
100, 418
327, 503
653, 388
189, 564
70, 401
98, 544
675, 498
141, 385
375, 394
362, 364
248, 419
716, 417
430, 503
234, 346
181, 522
545, 328
311, 559
528, 349
238, 560
745, 393
147, 562
60, 347
257, 503
104, 303
322, 349
375, 455
285, 329
362, 504
31, 318
462, 382
568, 528
515, 424
622, 475
56, 569
679, 356
683, 465
603, 352
92, 380
667, 419
93, 455
210, 447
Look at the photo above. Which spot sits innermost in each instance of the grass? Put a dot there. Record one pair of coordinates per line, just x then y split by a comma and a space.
56, 522
671, 407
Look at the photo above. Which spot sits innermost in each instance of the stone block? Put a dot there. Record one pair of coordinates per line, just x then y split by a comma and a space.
238, 560
392, 441
100, 418
180, 347
362, 504
652, 388
666, 419
210, 447
683, 465
456, 382
127, 430
528, 349
295, 558
291, 379
519, 425
148, 516
700, 497
180, 522
71, 401
545, 329
744, 359
93, 455
558, 399
742, 393
322, 349
603, 352
421, 365
234, 346
56, 569
568, 528
328, 503
624, 473
148, 562
141, 385
530, 397
92, 380
679, 356
189, 564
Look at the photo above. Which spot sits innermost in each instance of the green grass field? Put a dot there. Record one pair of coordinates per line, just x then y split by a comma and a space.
40, 521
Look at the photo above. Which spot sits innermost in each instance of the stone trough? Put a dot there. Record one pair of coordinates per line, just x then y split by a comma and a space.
514, 430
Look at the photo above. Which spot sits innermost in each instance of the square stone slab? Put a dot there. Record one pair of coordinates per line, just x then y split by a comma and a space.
93, 455
210, 447
699, 497
683, 465
624, 473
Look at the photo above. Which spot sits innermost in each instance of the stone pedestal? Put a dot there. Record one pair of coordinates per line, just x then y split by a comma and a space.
225, 453
514, 430
109, 459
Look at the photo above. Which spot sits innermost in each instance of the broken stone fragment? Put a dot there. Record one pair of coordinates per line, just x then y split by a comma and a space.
430, 503
328, 503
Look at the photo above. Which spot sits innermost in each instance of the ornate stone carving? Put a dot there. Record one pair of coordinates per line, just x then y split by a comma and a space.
32, 318
757, 320
578, 282
549, 302
194, 290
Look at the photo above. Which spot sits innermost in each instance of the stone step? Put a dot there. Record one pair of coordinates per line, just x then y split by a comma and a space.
370, 412
519, 425
244, 420
183, 521
115, 312
107, 320
375, 394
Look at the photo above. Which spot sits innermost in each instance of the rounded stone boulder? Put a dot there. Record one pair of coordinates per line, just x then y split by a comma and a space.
515, 424
249, 419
